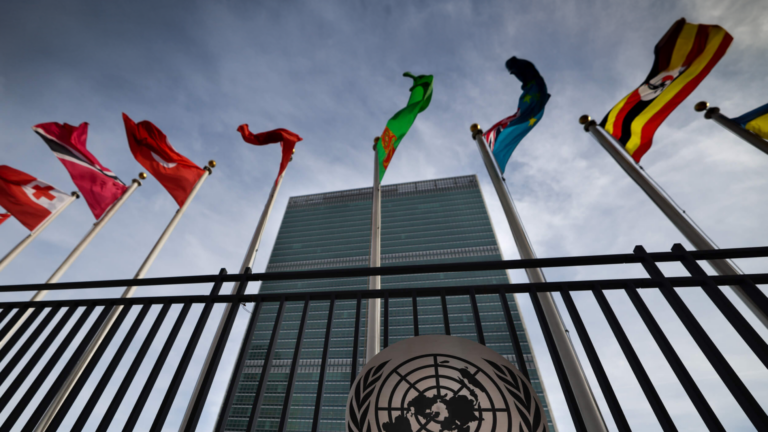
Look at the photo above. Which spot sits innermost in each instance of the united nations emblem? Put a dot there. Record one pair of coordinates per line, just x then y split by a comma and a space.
442, 384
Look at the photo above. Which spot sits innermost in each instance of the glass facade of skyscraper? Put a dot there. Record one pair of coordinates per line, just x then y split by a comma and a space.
427, 222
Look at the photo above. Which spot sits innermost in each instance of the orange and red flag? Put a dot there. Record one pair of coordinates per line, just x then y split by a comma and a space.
286, 138
684, 57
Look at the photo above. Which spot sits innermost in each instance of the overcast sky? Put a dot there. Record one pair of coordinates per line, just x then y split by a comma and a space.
331, 72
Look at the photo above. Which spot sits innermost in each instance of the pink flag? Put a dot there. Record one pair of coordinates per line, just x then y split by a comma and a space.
99, 186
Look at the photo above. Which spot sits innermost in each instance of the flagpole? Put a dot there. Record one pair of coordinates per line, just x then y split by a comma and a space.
53, 408
373, 323
747, 135
77, 251
248, 260
593, 419
28, 239
675, 214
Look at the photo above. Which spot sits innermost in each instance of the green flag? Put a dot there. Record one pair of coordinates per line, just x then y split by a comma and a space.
398, 125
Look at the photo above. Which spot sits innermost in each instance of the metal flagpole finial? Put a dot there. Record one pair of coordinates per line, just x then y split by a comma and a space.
75, 194
375, 141
475, 129
587, 121
211, 165
701, 106
142, 175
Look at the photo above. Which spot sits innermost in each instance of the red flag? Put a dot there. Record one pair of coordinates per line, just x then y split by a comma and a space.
99, 186
151, 148
28, 199
286, 138
4, 217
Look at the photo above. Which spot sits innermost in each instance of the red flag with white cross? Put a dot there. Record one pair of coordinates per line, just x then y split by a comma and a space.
28, 199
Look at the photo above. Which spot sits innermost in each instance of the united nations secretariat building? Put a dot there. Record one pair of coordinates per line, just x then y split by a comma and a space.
426, 222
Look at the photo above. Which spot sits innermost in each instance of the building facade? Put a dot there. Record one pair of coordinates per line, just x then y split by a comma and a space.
426, 222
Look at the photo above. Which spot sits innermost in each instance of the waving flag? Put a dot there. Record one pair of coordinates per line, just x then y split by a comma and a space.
4, 217
505, 135
401, 122
684, 57
755, 121
28, 199
152, 150
98, 185
286, 138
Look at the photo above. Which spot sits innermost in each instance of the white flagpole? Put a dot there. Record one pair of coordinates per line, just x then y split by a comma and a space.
78, 250
590, 412
373, 324
28, 239
53, 408
748, 136
250, 257
675, 214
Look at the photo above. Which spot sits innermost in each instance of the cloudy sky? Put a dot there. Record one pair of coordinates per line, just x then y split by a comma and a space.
331, 71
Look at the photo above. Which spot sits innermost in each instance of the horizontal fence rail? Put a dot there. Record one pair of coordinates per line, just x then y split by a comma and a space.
134, 379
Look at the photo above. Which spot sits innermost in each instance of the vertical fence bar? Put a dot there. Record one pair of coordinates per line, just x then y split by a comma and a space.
186, 357
518, 348
476, 315
258, 398
634, 362
324, 360
731, 380
682, 374
12, 322
146, 389
386, 320
283, 426
754, 293
446, 321
34, 359
5, 372
595, 363
415, 304
570, 399
4, 312
92, 363
23, 403
729, 311
87, 409
242, 357
355, 343
18, 334
210, 372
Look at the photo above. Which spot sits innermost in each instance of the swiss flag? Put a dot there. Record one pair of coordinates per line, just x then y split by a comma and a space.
28, 199
4, 217
152, 150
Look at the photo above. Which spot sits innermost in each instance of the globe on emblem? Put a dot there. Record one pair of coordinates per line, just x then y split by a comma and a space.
442, 384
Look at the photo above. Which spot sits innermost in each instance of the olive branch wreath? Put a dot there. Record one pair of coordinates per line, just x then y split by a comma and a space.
530, 411
360, 402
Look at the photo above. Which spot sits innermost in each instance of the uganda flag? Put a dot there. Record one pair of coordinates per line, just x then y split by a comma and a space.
755, 121
684, 57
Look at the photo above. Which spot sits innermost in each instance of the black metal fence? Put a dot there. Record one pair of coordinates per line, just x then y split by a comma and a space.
25, 358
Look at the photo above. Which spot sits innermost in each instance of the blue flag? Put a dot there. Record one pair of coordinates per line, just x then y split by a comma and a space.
505, 135
755, 121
